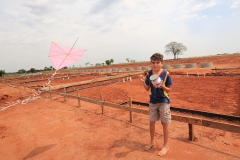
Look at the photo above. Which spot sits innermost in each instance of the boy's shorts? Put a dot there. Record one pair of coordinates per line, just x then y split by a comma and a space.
159, 111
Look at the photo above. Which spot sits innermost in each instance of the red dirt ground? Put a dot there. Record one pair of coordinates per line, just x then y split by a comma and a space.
51, 129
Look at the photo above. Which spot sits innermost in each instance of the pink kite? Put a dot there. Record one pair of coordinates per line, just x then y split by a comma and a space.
62, 56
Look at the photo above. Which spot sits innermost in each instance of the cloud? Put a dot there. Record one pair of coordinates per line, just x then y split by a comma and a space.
201, 5
109, 29
191, 9
235, 4
101, 5
185, 17
201, 17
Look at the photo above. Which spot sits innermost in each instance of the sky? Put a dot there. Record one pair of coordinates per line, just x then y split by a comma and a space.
114, 29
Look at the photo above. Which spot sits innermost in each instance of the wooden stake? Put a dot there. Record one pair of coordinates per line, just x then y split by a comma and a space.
50, 92
78, 94
64, 94
101, 97
191, 132
130, 105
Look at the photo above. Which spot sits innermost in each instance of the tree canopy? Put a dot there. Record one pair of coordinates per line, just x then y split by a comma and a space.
108, 62
32, 70
175, 49
111, 60
2, 72
21, 71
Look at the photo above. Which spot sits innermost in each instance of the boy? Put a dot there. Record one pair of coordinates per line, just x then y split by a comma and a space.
159, 106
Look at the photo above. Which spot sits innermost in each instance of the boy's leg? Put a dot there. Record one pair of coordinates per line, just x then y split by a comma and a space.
153, 117
152, 132
165, 117
165, 147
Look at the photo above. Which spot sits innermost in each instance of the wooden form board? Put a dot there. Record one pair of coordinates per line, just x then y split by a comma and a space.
90, 81
180, 118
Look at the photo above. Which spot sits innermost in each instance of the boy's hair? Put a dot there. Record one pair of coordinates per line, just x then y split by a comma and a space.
157, 56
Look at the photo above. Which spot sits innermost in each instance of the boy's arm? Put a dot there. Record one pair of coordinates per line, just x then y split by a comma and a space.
143, 79
167, 89
168, 83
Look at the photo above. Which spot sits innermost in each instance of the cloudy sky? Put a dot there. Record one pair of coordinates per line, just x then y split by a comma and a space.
116, 29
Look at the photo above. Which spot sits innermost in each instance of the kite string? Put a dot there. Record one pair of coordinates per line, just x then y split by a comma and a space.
33, 96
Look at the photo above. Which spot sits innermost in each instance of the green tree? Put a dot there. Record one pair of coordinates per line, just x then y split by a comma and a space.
127, 59
98, 64
21, 71
86, 64
175, 49
108, 62
32, 70
111, 60
2, 72
46, 68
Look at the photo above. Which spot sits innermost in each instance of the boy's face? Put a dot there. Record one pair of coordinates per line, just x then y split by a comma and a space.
156, 65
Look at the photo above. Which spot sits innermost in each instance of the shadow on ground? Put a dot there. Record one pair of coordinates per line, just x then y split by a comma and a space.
38, 151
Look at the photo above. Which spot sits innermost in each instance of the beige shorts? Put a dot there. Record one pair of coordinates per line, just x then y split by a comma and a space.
159, 111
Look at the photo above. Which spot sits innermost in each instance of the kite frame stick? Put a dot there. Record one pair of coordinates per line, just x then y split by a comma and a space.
69, 52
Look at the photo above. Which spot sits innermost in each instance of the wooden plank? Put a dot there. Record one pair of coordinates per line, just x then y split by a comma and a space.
221, 126
126, 108
185, 119
90, 81
84, 99
190, 120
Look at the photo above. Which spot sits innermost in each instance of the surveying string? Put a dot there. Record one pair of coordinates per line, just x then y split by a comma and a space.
33, 96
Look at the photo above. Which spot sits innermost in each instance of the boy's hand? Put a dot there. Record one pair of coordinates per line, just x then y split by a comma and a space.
161, 85
142, 78
146, 73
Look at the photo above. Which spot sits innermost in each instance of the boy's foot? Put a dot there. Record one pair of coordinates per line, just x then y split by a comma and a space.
149, 146
163, 151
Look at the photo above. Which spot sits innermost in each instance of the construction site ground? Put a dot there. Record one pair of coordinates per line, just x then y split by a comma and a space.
53, 129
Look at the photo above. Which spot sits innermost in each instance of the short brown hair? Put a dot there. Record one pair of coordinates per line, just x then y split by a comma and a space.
157, 56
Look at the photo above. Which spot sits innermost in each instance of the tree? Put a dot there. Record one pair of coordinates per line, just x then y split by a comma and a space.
32, 70
86, 64
2, 72
108, 62
111, 60
21, 71
127, 59
175, 49
98, 64
65, 67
